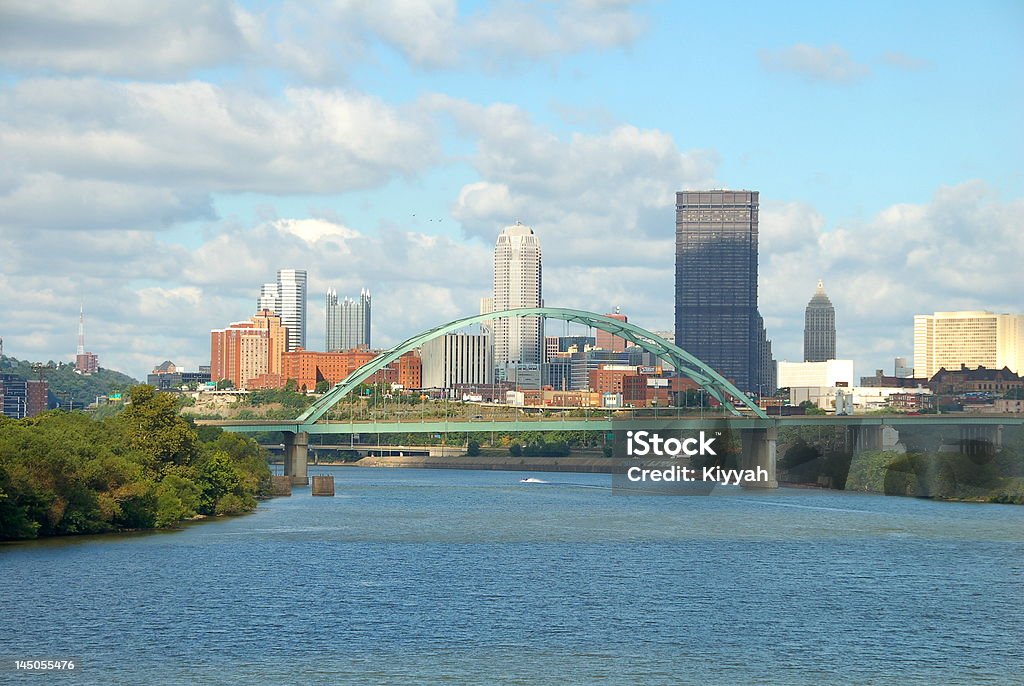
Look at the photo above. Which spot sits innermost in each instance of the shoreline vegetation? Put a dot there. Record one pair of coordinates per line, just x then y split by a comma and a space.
145, 466
65, 473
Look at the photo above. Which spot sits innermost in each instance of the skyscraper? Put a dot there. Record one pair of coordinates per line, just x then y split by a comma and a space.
517, 283
269, 299
716, 286
819, 327
348, 322
287, 299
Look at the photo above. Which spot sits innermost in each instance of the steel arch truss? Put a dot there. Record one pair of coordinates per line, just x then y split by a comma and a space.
711, 381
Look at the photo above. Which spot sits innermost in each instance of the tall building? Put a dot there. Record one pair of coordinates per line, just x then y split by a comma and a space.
245, 351
269, 299
20, 398
348, 322
819, 327
716, 286
609, 341
517, 283
287, 299
456, 358
951, 339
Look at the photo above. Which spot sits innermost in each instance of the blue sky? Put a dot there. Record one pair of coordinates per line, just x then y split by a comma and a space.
161, 160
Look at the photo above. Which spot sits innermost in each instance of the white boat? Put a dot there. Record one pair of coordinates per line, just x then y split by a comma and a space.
532, 481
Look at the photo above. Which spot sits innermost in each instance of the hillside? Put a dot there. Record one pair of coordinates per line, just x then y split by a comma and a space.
65, 384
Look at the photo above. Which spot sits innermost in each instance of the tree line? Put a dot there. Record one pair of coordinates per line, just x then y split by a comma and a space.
147, 467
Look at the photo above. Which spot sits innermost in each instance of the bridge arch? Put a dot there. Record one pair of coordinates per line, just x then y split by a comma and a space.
711, 381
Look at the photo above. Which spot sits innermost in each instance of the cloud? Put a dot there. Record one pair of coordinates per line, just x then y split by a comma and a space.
127, 39
958, 251
830, 64
316, 40
147, 299
901, 60
585, 192
43, 200
111, 148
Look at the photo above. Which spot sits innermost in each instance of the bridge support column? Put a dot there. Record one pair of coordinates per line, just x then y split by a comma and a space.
296, 454
759, 452
864, 438
981, 440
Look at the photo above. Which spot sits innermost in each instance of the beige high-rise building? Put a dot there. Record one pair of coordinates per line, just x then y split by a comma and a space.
517, 283
247, 350
973, 339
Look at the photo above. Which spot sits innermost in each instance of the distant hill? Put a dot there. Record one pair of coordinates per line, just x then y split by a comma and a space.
66, 385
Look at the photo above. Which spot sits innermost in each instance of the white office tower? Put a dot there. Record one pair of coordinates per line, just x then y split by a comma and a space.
517, 283
348, 322
269, 299
287, 299
456, 358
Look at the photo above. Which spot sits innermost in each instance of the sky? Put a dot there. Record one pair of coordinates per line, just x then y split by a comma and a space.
159, 161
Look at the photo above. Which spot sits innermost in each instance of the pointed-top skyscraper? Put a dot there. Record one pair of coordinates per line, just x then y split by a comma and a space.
819, 327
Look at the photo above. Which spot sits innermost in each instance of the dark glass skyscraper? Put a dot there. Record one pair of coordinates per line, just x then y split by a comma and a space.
819, 327
716, 286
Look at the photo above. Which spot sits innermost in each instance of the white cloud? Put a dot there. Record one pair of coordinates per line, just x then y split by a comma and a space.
317, 40
959, 251
828, 64
110, 149
133, 39
609, 189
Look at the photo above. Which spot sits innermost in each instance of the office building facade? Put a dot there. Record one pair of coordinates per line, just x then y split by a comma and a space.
971, 338
244, 351
609, 341
287, 299
819, 327
716, 316
348, 322
456, 359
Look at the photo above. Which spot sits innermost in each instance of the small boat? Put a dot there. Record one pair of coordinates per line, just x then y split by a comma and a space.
532, 481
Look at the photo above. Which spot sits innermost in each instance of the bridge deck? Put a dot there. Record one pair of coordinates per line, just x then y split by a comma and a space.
604, 423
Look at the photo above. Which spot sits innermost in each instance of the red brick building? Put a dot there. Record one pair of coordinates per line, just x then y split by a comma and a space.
308, 368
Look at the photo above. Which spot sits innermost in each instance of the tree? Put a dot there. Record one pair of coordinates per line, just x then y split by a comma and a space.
472, 449
323, 386
515, 450
155, 428
225, 384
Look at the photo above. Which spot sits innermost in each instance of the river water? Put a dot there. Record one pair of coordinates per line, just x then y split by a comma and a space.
460, 577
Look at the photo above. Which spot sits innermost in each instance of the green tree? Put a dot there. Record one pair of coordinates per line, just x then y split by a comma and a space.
216, 478
177, 498
155, 428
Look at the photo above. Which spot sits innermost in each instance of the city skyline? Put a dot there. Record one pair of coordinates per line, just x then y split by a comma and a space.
159, 186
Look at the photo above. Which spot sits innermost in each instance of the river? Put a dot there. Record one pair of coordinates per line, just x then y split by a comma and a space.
465, 577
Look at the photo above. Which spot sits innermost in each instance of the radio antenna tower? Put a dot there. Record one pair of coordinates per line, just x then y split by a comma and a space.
81, 330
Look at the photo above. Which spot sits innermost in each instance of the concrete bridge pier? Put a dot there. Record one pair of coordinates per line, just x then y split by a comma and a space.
759, 451
986, 439
296, 450
864, 438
